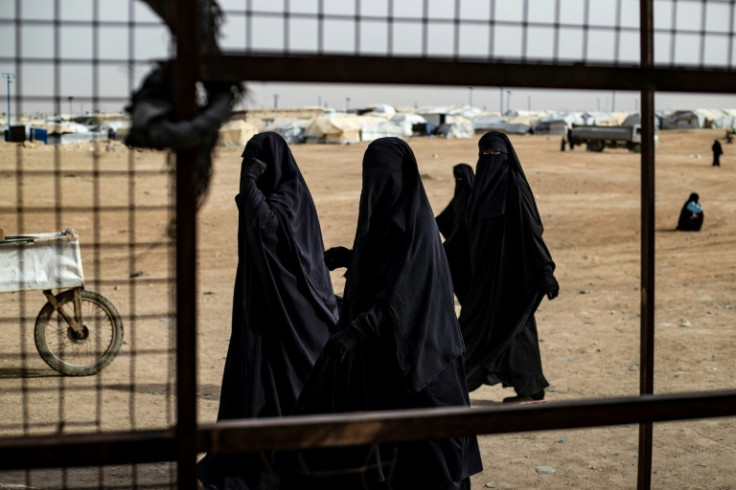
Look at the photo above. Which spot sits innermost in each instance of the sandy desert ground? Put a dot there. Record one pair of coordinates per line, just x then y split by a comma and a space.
589, 335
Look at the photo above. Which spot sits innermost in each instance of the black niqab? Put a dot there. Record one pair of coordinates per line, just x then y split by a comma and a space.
398, 256
448, 219
283, 303
498, 255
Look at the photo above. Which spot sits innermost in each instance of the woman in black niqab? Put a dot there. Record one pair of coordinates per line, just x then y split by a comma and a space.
497, 253
398, 343
284, 307
448, 219
691, 215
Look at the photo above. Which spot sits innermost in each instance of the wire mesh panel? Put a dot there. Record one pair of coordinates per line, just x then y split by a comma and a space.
549, 30
70, 68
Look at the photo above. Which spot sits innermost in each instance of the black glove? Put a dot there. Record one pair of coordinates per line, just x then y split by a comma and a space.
254, 168
550, 285
342, 342
337, 257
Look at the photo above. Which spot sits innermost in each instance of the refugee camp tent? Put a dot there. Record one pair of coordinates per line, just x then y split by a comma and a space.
436, 116
292, 130
456, 127
597, 118
635, 119
380, 128
411, 124
684, 119
467, 111
379, 110
727, 120
509, 125
235, 133
557, 123
717, 118
487, 122
349, 128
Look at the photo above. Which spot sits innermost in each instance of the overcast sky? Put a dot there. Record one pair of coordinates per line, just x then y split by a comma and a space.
268, 30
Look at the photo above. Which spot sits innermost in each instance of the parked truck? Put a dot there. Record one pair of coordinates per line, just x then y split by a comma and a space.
596, 138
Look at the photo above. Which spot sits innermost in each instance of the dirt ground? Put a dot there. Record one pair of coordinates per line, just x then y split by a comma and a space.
590, 205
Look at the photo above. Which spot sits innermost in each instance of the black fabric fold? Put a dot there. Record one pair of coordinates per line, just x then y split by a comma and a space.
453, 213
283, 305
500, 264
398, 290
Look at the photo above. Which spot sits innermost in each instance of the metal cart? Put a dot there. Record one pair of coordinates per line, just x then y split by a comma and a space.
78, 332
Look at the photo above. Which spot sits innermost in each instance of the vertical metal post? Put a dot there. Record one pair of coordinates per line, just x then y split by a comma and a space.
9, 77
186, 232
646, 380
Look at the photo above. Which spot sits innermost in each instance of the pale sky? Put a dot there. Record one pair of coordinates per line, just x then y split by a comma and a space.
268, 31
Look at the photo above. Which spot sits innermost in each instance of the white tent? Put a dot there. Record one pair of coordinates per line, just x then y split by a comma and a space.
683, 120
512, 125
597, 118
635, 119
349, 128
235, 133
381, 110
717, 118
407, 122
485, 122
372, 130
456, 127
557, 123
292, 130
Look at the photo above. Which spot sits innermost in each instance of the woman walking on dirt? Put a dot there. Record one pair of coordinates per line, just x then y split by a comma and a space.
284, 307
398, 344
497, 253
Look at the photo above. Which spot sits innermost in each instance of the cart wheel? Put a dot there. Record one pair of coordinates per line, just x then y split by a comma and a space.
79, 353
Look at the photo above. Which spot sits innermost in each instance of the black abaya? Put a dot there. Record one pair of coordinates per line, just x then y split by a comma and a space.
691, 215
498, 255
283, 305
398, 343
448, 219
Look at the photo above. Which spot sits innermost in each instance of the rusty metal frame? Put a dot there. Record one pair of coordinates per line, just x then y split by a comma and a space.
480, 73
350, 429
182, 443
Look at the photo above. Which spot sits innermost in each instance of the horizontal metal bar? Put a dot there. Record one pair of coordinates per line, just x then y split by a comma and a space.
343, 430
75, 450
83, 209
431, 71
363, 428
402, 19
80, 23
86, 173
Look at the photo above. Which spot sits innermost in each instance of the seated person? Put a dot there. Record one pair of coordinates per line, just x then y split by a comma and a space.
691, 215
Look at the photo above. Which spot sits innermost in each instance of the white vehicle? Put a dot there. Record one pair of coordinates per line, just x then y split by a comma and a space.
596, 138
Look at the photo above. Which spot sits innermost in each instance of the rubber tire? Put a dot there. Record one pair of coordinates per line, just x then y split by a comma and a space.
115, 323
